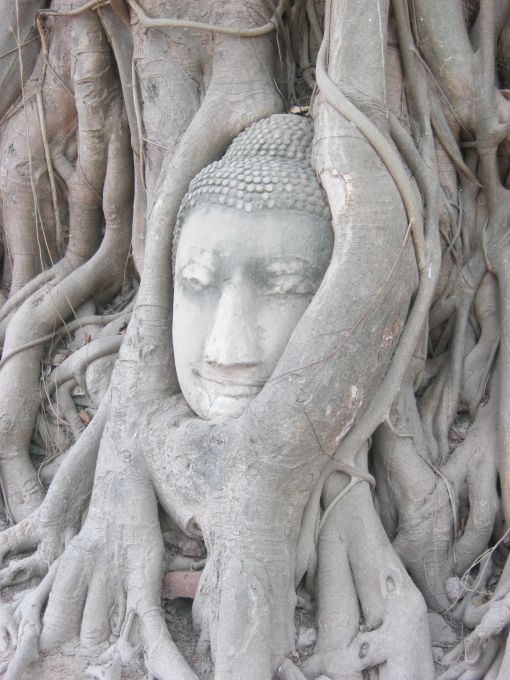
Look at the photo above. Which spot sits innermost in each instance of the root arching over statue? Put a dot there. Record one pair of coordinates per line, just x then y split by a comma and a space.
312, 373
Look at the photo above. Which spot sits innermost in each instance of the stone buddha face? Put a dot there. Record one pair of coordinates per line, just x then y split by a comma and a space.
242, 281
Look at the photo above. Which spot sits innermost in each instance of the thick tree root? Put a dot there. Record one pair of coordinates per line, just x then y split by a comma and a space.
99, 185
97, 590
392, 607
8, 630
111, 572
28, 614
46, 531
428, 500
123, 651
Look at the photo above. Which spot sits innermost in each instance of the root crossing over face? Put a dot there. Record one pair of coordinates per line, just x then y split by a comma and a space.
242, 282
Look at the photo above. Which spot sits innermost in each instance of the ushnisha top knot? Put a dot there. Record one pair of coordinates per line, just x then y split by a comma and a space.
267, 166
281, 136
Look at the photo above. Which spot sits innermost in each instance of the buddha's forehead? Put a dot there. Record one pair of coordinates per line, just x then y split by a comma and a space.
218, 232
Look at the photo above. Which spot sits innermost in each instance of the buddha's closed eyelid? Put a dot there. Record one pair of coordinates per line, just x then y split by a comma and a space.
294, 265
196, 276
290, 277
298, 283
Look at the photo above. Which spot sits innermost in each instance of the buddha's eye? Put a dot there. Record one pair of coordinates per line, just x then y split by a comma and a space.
290, 284
196, 278
289, 276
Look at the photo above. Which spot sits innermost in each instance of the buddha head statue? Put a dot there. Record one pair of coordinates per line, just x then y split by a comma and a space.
252, 242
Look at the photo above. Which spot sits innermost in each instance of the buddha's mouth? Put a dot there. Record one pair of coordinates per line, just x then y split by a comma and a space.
235, 387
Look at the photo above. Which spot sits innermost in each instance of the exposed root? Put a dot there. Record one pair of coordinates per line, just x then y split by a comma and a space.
8, 629
391, 606
474, 668
37, 315
59, 517
288, 671
67, 329
437, 490
111, 670
28, 613
241, 32
123, 651
22, 570
90, 585
483, 648
76, 365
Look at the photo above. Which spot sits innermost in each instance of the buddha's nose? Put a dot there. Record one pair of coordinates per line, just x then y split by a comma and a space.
232, 340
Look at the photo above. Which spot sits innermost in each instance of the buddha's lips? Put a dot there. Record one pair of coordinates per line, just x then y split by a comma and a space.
230, 386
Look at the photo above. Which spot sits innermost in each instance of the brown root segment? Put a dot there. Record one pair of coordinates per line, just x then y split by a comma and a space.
363, 493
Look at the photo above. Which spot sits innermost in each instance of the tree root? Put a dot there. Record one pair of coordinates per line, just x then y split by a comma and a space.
67, 329
369, 570
123, 651
8, 629
91, 583
463, 591
384, 150
474, 669
46, 530
483, 648
241, 32
478, 362
36, 317
358, 570
65, 410
28, 613
427, 501
111, 670
75, 366
288, 671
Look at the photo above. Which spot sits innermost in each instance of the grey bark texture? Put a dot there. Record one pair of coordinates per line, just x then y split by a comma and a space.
367, 480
